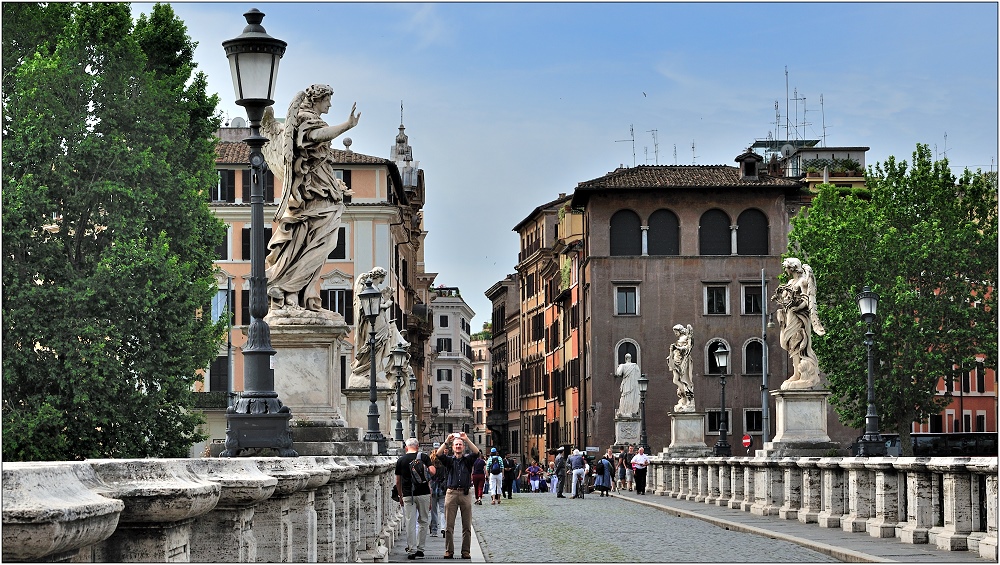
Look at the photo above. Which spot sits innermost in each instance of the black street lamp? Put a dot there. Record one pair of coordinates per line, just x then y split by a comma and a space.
871, 443
258, 419
413, 406
643, 385
370, 300
722, 448
399, 359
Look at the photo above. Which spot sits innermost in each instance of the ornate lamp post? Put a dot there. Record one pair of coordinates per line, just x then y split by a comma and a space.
643, 385
258, 419
370, 300
871, 443
722, 447
399, 358
413, 406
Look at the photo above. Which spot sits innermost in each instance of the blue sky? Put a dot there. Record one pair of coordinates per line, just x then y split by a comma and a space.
508, 105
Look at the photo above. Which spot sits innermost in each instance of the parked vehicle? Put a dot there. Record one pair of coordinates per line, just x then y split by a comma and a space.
967, 444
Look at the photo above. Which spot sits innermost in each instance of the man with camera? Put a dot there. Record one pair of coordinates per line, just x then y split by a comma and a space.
458, 497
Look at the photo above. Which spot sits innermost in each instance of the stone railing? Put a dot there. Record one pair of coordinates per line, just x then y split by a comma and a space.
948, 502
241, 509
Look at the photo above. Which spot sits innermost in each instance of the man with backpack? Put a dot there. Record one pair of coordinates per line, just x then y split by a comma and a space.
413, 475
494, 471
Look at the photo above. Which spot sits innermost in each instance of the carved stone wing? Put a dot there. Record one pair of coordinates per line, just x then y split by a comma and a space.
813, 312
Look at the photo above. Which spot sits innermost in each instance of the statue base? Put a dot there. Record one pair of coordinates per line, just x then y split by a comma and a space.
687, 435
358, 403
800, 425
627, 430
306, 371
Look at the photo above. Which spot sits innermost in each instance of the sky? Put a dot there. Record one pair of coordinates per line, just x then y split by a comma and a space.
507, 105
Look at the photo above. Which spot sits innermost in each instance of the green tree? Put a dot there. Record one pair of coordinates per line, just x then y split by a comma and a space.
108, 244
926, 242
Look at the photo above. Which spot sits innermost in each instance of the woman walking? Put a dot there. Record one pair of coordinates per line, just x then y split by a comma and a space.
479, 477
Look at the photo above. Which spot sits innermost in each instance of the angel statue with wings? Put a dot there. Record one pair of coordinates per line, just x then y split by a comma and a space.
312, 201
798, 320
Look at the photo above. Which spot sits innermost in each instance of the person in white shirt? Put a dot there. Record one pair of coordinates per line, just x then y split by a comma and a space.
496, 480
639, 463
578, 463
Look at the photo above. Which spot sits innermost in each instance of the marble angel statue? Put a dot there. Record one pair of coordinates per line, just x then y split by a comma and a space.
312, 202
679, 364
798, 320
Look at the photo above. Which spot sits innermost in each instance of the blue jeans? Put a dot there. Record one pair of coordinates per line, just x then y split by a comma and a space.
437, 512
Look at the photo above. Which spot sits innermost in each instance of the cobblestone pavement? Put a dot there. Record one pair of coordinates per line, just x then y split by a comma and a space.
531, 528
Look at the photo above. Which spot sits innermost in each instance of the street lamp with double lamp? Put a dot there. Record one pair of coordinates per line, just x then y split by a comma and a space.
399, 359
722, 448
258, 419
643, 386
370, 300
871, 443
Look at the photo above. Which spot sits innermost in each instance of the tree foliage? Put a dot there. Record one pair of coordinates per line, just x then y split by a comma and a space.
108, 244
926, 242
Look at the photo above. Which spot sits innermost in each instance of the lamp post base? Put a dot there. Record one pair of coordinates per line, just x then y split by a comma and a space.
258, 431
868, 447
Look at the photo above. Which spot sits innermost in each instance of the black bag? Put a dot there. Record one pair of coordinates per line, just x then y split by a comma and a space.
419, 474
600, 467
395, 494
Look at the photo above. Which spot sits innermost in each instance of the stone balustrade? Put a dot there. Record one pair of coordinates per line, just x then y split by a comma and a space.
950, 502
241, 510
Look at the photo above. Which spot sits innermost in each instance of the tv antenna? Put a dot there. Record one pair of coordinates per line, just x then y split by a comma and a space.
693, 156
675, 154
631, 132
822, 112
656, 147
796, 98
945, 152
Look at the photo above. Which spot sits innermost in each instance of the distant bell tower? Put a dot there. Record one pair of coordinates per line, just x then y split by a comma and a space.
402, 154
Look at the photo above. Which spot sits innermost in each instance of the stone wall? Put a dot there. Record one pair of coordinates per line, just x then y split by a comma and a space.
950, 502
241, 509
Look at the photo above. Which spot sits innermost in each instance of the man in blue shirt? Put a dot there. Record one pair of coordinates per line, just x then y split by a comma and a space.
458, 497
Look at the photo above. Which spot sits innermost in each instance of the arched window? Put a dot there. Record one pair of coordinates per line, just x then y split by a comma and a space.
627, 346
713, 367
626, 233
753, 357
664, 233
713, 233
751, 237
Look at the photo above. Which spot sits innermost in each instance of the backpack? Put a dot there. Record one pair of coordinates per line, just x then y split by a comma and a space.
419, 475
600, 467
495, 467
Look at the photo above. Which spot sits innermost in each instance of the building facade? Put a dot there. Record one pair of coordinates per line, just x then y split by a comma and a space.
688, 245
451, 386
482, 386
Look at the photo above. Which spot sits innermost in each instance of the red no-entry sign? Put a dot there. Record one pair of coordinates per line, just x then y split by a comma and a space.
747, 440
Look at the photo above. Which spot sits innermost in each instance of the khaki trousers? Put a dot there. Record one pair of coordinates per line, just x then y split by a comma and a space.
454, 501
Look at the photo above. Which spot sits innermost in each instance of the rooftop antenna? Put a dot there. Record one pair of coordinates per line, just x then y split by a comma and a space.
945, 152
777, 120
693, 156
805, 112
795, 97
401, 112
675, 153
787, 124
822, 112
631, 132
656, 146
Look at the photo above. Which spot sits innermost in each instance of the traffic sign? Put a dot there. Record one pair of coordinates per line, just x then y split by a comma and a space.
747, 440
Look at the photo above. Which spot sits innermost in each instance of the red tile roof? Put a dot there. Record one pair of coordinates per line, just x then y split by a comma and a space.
237, 152
682, 176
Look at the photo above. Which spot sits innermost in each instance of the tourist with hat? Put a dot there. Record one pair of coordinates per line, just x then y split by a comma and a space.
494, 470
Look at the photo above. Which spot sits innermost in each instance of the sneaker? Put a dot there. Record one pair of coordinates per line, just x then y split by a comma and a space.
419, 554
448, 556
411, 556
434, 534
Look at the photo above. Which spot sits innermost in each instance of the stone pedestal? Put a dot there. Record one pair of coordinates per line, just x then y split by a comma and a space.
357, 409
306, 370
687, 435
800, 425
627, 430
